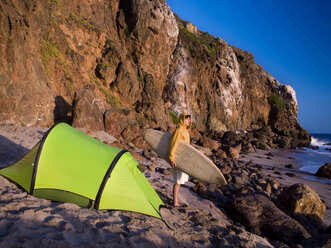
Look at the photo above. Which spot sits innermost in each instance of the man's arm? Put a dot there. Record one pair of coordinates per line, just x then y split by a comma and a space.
173, 146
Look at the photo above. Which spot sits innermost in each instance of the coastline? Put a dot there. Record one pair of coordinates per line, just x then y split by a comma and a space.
27, 220
275, 166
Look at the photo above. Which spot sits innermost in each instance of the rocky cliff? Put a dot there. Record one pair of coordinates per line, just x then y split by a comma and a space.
122, 65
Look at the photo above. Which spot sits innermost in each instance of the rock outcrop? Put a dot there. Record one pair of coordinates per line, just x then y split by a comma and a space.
261, 216
302, 202
324, 171
75, 61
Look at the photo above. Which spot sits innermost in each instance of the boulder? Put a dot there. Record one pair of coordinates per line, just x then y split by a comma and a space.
194, 133
273, 183
320, 241
221, 154
248, 147
239, 180
230, 138
201, 189
302, 203
263, 132
324, 171
261, 216
209, 143
232, 152
263, 145
281, 141
205, 150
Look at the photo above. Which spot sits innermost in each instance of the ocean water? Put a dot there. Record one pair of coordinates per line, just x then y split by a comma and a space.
311, 160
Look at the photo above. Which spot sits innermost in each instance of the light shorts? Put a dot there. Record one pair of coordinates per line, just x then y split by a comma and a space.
179, 176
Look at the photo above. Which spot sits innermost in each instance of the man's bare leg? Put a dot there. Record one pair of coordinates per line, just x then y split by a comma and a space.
175, 193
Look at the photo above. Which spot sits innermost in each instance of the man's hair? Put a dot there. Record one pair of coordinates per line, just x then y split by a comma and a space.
187, 116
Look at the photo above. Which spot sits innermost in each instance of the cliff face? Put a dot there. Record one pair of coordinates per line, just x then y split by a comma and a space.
122, 65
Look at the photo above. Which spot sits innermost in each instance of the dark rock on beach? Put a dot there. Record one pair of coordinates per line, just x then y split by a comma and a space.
318, 241
209, 143
261, 216
302, 202
230, 138
324, 171
289, 166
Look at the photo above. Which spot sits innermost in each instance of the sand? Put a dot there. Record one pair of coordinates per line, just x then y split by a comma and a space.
27, 221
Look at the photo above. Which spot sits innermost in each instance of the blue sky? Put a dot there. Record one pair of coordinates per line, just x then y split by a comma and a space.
290, 39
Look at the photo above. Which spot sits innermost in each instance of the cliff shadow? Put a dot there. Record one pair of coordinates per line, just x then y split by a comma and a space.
62, 111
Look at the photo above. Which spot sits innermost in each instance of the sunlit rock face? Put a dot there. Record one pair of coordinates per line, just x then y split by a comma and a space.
62, 59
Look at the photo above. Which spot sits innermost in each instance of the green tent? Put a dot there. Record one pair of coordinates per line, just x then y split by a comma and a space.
69, 166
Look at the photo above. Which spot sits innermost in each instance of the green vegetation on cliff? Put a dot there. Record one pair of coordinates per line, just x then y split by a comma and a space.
51, 50
202, 39
111, 99
174, 117
276, 101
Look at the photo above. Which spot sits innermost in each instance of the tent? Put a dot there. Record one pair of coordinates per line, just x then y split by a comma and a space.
70, 166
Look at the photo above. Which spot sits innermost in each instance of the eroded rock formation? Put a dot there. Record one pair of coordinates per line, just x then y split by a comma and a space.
81, 61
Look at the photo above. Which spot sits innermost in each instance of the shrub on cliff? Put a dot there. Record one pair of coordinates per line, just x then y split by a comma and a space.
276, 101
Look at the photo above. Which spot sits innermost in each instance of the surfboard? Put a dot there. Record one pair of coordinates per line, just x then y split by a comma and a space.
188, 159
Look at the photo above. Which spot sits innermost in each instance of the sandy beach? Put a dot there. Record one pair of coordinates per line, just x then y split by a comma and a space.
27, 221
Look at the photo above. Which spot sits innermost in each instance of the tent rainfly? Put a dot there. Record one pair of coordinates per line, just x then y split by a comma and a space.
70, 166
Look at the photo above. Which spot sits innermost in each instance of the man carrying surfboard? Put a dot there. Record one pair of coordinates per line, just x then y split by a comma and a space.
180, 134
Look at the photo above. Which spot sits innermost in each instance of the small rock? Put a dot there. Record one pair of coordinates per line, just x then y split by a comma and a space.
290, 174
266, 187
209, 143
148, 154
238, 180
151, 167
274, 183
142, 167
221, 154
131, 145
228, 178
201, 189
263, 146
289, 166
166, 172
